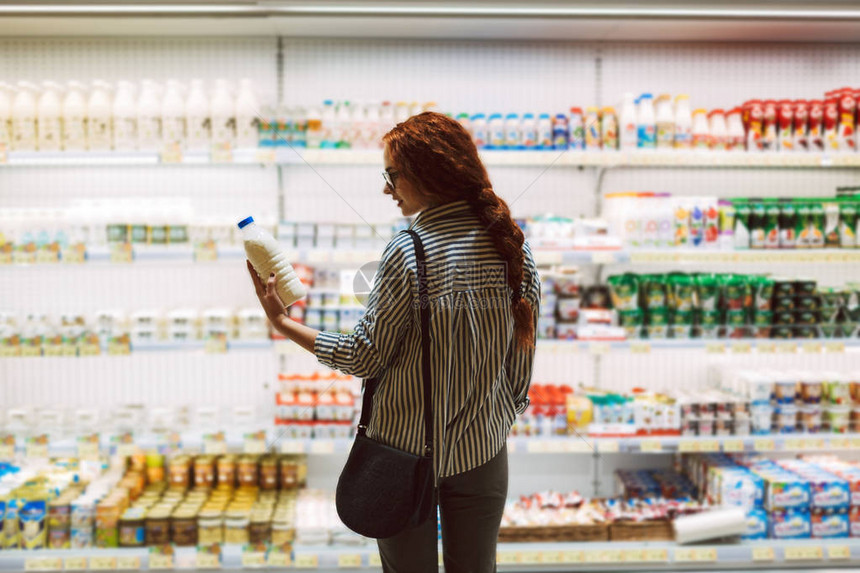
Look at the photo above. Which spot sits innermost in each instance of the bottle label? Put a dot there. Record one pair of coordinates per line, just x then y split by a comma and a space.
49, 134
198, 130
222, 130
647, 135
149, 130
665, 134
24, 131
247, 130
173, 129
5, 132
99, 133
74, 132
124, 132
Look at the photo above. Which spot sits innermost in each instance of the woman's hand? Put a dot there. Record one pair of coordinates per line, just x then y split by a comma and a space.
268, 295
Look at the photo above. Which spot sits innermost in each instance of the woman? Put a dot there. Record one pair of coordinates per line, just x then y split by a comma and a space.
484, 296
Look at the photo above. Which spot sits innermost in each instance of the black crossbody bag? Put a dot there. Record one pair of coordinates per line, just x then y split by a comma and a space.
382, 490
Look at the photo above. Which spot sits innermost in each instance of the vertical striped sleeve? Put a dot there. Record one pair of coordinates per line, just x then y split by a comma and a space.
520, 361
372, 346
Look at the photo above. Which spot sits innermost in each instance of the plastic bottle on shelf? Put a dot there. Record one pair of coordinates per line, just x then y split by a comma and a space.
314, 134
683, 122
717, 129
464, 120
769, 133
197, 120
343, 126
266, 256
512, 131
173, 115
356, 122
5, 115
49, 126
74, 122
544, 130
371, 134
627, 131
735, 129
529, 135
665, 120
496, 127
327, 118
222, 113
608, 129
124, 117
480, 130
576, 130
401, 112
247, 116
591, 121
646, 122
560, 132
149, 116
701, 132
24, 117
99, 113
665, 222
386, 118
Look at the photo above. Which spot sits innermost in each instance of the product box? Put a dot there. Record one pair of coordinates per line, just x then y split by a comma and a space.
786, 491
830, 523
854, 522
790, 524
830, 493
757, 525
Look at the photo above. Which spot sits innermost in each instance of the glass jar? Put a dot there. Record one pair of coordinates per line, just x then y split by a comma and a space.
227, 471
236, 527
282, 532
289, 473
154, 468
247, 471
179, 470
158, 526
204, 472
260, 529
183, 527
268, 474
132, 530
210, 527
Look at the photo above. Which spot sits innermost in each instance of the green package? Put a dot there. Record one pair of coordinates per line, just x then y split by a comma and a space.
763, 318
707, 289
624, 290
654, 291
681, 292
848, 224
736, 317
735, 290
630, 318
763, 289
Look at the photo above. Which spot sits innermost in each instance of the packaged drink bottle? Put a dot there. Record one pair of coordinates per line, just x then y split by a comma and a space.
267, 257
683, 122
735, 127
298, 128
701, 138
544, 129
831, 224
49, 122
560, 132
575, 129
124, 117
742, 230
785, 125
769, 126
593, 139
386, 118
848, 224
801, 125
480, 134
818, 219
529, 135
5, 115
247, 116
314, 133
718, 130
847, 112
197, 118
816, 125
173, 115
646, 122
24, 111
681, 223
512, 131
497, 132
727, 214
754, 114
222, 112
627, 132
329, 129
831, 123
608, 129
757, 226
371, 132
712, 223
342, 135
771, 226
697, 224
787, 226
665, 121
149, 116
464, 120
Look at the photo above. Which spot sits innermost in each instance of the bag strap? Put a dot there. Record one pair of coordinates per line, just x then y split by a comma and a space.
426, 382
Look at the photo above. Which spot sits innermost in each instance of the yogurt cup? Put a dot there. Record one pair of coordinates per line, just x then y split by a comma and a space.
855, 420
811, 389
837, 389
786, 419
761, 419
810, 419
785, 389
837, 419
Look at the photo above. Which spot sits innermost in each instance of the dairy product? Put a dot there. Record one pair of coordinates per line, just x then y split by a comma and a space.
173, 114
544, 130
701, 134
124, 117
266, 256
497, 132
576, 131
197, 122
592, 129
74, 124
645, 122
247, 112
24, 117
149, 116
717, 129
222, 115
5, 115
512, 131
627, 132
665, 122
529, 132
608, 128
48, 124
683, 122
479, 130
99, 110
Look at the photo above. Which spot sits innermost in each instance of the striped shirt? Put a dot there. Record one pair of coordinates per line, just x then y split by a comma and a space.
480, 377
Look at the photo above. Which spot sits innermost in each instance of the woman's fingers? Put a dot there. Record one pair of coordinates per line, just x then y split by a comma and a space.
270, 284
258, 286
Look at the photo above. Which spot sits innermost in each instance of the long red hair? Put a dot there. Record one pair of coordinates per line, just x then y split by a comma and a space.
436, 154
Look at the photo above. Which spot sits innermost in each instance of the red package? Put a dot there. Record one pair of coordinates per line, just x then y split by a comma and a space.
769, 132
831, 124
847, 110
785, 125
815, 134
754, 123
801, 119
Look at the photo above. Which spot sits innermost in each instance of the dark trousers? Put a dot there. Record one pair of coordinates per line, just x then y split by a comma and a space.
471, 506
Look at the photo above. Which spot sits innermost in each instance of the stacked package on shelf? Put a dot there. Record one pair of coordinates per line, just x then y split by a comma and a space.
850, 472
317, 522
316, 406
547, 414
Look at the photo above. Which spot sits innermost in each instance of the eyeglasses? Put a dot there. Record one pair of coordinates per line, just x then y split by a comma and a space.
390, 177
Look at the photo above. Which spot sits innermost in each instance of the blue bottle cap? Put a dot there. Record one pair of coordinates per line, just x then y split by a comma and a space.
512, 116
529, 116
544, 116
245, 222
479, 116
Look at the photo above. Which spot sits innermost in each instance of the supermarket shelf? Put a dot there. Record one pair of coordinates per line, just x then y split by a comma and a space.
511, 557
235, 441
344, 157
